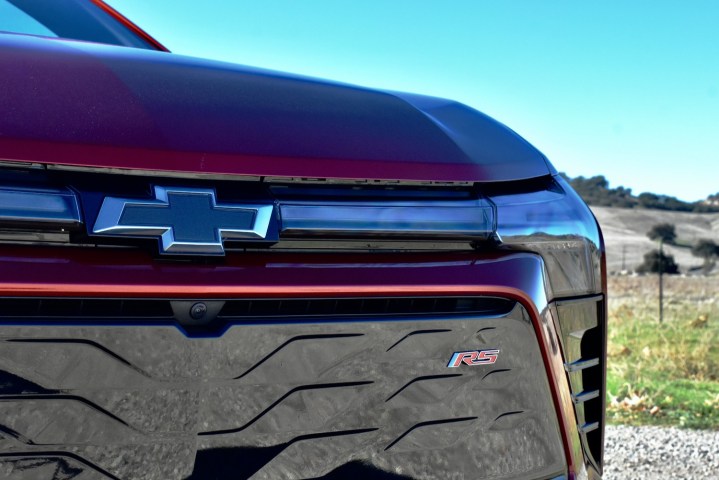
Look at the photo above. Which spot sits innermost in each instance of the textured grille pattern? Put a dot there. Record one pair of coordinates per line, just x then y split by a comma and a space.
364, 399
226, 313
112, 308
366, 306
583, 340
83, 308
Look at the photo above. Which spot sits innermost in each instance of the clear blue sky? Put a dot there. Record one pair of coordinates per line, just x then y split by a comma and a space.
627, 89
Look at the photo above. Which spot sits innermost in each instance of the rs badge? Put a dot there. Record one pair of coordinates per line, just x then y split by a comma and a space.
473, 357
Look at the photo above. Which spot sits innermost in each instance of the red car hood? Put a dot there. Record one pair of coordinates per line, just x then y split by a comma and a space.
83, 104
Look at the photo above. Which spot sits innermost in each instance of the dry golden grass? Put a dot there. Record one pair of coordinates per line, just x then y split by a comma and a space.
678, 288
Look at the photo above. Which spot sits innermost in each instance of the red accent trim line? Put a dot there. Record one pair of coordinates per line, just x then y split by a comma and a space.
543, 327
129, 25
67, 272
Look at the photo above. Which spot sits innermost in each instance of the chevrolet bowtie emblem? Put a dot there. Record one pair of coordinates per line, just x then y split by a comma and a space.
186, 221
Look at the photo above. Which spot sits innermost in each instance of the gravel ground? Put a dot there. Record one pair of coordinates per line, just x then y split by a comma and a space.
653, 453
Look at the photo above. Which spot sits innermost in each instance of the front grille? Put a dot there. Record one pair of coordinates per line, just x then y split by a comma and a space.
236, 311
48, 308
365, 307
593, 381
583, 342
259, 401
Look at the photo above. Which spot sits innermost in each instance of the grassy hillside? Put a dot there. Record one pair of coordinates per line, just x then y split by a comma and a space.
668, 373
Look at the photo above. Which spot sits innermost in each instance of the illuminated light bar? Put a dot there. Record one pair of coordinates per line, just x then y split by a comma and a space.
466, 219
38, 207
26, 208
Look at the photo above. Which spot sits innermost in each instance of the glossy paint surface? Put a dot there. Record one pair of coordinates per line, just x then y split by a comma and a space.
254, 394
124, 272
76, 103
282, 401
558, 225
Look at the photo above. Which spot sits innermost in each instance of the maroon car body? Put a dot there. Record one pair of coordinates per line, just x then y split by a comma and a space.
403, 229
245, 121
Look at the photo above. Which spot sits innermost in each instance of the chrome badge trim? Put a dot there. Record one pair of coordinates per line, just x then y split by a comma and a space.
52, 208
198, 226
473, 357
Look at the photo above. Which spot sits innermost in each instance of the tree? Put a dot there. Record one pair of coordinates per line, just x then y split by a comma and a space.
707, 250
648, 200
656, 262
596, 191
664, 232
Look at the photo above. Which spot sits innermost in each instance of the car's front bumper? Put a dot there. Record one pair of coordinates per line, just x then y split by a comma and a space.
345, 394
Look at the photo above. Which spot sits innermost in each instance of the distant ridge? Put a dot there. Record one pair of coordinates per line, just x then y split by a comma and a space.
596, 192
625, 235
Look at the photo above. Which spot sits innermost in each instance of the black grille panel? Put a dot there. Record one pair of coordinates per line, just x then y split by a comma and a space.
593, 381
119, 308
237, 311
278, 400
364, 306
83, 308
583, 342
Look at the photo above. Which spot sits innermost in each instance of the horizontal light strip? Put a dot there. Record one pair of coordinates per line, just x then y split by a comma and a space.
468, 219
35, 207
31, 208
